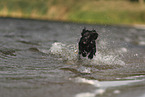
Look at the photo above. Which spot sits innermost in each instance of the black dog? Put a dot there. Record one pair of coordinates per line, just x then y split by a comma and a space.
87, 44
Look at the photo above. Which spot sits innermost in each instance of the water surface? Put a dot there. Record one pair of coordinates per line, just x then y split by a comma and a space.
39, 59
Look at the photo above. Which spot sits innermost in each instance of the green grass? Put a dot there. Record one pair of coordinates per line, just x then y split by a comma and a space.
84, 11
106, 17
110, 12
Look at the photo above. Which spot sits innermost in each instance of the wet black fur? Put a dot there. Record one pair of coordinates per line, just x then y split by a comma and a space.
87, 44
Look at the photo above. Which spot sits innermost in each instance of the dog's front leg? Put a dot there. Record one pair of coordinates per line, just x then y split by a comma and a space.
80, 50
92, 53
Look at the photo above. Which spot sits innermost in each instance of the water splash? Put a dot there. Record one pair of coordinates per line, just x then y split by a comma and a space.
69, 53
107, 59
66, 52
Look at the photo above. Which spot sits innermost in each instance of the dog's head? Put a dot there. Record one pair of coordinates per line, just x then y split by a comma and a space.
89, 35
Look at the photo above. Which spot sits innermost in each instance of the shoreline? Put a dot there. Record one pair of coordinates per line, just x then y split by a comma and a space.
138, 26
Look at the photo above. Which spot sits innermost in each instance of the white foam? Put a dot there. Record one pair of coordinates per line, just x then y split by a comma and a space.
116, 91
87, 94
134, 77
107, 59
63, 51
99, 92
91, 82
57, 48
123, 49
69, 53
102, 86
142, 43
106, 84
44, 51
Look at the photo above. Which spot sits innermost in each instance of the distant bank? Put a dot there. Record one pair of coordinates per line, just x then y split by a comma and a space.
82, 11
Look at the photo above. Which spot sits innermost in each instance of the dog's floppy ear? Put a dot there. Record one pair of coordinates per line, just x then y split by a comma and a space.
83, 31
95, 34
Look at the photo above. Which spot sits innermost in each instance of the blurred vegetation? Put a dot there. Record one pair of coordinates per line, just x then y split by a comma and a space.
85, 11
